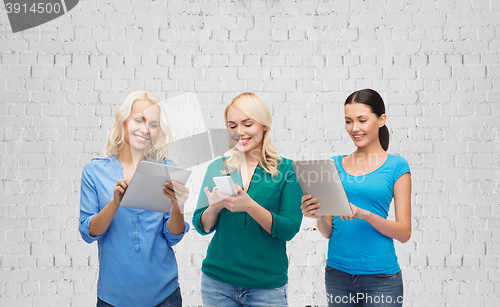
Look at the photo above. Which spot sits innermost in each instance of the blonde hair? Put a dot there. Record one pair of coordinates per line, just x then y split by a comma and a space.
157, 150
256, 109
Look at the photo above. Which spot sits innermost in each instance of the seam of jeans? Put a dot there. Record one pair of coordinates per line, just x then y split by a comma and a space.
388, 275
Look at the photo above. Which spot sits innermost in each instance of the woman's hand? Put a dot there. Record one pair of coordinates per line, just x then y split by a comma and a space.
176, 191
357, 212
310, 206
119, 190
214, 199
211, 214
101, 221
239, 203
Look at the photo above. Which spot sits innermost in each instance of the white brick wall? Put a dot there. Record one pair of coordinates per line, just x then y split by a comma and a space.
435, 62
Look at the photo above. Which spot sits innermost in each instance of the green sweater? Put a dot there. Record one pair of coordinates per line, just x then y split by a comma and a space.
241, 252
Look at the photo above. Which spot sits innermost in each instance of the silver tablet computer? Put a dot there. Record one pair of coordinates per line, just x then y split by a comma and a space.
321, 179
145, 190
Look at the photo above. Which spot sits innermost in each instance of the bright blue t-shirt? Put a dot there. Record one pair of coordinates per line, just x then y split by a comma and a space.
137, 265
356, 247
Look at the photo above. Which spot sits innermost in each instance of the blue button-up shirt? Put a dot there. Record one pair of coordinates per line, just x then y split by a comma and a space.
137, 265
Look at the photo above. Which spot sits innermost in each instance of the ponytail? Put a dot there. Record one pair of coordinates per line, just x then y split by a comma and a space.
383, 137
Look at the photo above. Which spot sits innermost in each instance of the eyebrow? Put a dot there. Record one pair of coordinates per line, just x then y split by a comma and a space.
358, 116
241, 121
145, 119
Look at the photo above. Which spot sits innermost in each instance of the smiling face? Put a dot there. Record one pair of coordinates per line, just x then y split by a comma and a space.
245, 133
362, 124
142, 126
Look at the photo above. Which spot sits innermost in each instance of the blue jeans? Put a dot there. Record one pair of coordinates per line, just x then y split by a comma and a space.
174, 300
346, 290
218, 294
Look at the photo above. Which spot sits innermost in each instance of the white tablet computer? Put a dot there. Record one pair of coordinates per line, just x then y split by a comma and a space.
321, 179
145, 190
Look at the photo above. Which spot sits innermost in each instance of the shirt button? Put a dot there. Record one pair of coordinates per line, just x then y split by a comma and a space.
135, 237
135, 225
134, 213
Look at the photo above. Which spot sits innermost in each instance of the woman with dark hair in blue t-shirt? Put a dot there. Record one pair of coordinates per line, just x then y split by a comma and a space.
362, 267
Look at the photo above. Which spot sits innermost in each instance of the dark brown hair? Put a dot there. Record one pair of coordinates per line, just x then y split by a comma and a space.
372, 99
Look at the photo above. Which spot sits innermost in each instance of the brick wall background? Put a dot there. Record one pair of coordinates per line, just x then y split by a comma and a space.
436, 63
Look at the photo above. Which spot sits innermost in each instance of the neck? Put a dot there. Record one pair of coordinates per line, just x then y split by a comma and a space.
253, 157
373, 148
128, 156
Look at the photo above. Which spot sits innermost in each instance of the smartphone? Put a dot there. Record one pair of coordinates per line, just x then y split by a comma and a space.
225, 185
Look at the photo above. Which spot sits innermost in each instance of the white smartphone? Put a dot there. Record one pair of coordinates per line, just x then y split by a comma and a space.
225, 185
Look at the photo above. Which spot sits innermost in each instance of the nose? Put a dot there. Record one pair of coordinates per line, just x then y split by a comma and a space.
355, 127
145, 127
241, 130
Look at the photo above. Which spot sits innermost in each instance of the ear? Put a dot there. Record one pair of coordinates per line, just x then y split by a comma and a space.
265, 128
381, 120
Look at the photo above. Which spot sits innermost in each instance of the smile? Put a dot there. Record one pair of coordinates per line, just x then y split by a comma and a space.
244, 141
141, 138
358, 136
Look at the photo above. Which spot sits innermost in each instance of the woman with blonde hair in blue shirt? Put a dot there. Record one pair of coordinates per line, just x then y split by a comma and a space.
137, 265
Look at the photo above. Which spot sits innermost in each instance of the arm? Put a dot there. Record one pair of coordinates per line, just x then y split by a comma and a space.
93, 221
101, 221
176, 224
244, 203
325, 225
210, 216
284, 225
178, 193
309, 207
261, 216
401, 228
89, 203
208, 207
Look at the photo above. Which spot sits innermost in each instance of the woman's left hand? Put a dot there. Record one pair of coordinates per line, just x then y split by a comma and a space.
238, 203
176, 191
356, 212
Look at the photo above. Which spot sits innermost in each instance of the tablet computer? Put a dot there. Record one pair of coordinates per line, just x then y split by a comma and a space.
320, 178
145, 190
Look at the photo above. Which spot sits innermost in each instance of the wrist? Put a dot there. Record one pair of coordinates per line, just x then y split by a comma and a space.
251, 206
114, 203
215, 208
368, 215
175, 210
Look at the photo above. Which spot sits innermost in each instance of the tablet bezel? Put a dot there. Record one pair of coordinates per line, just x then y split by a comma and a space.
149, 179
330, 193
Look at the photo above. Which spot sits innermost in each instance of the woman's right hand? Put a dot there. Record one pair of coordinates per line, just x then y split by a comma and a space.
210, 216
310, 206
214, 199
119, 190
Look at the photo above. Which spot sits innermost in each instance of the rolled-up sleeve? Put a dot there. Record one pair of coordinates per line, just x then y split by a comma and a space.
171, 238
286, 224
89, 204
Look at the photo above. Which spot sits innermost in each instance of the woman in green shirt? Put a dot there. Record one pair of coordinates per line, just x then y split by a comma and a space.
246, 262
